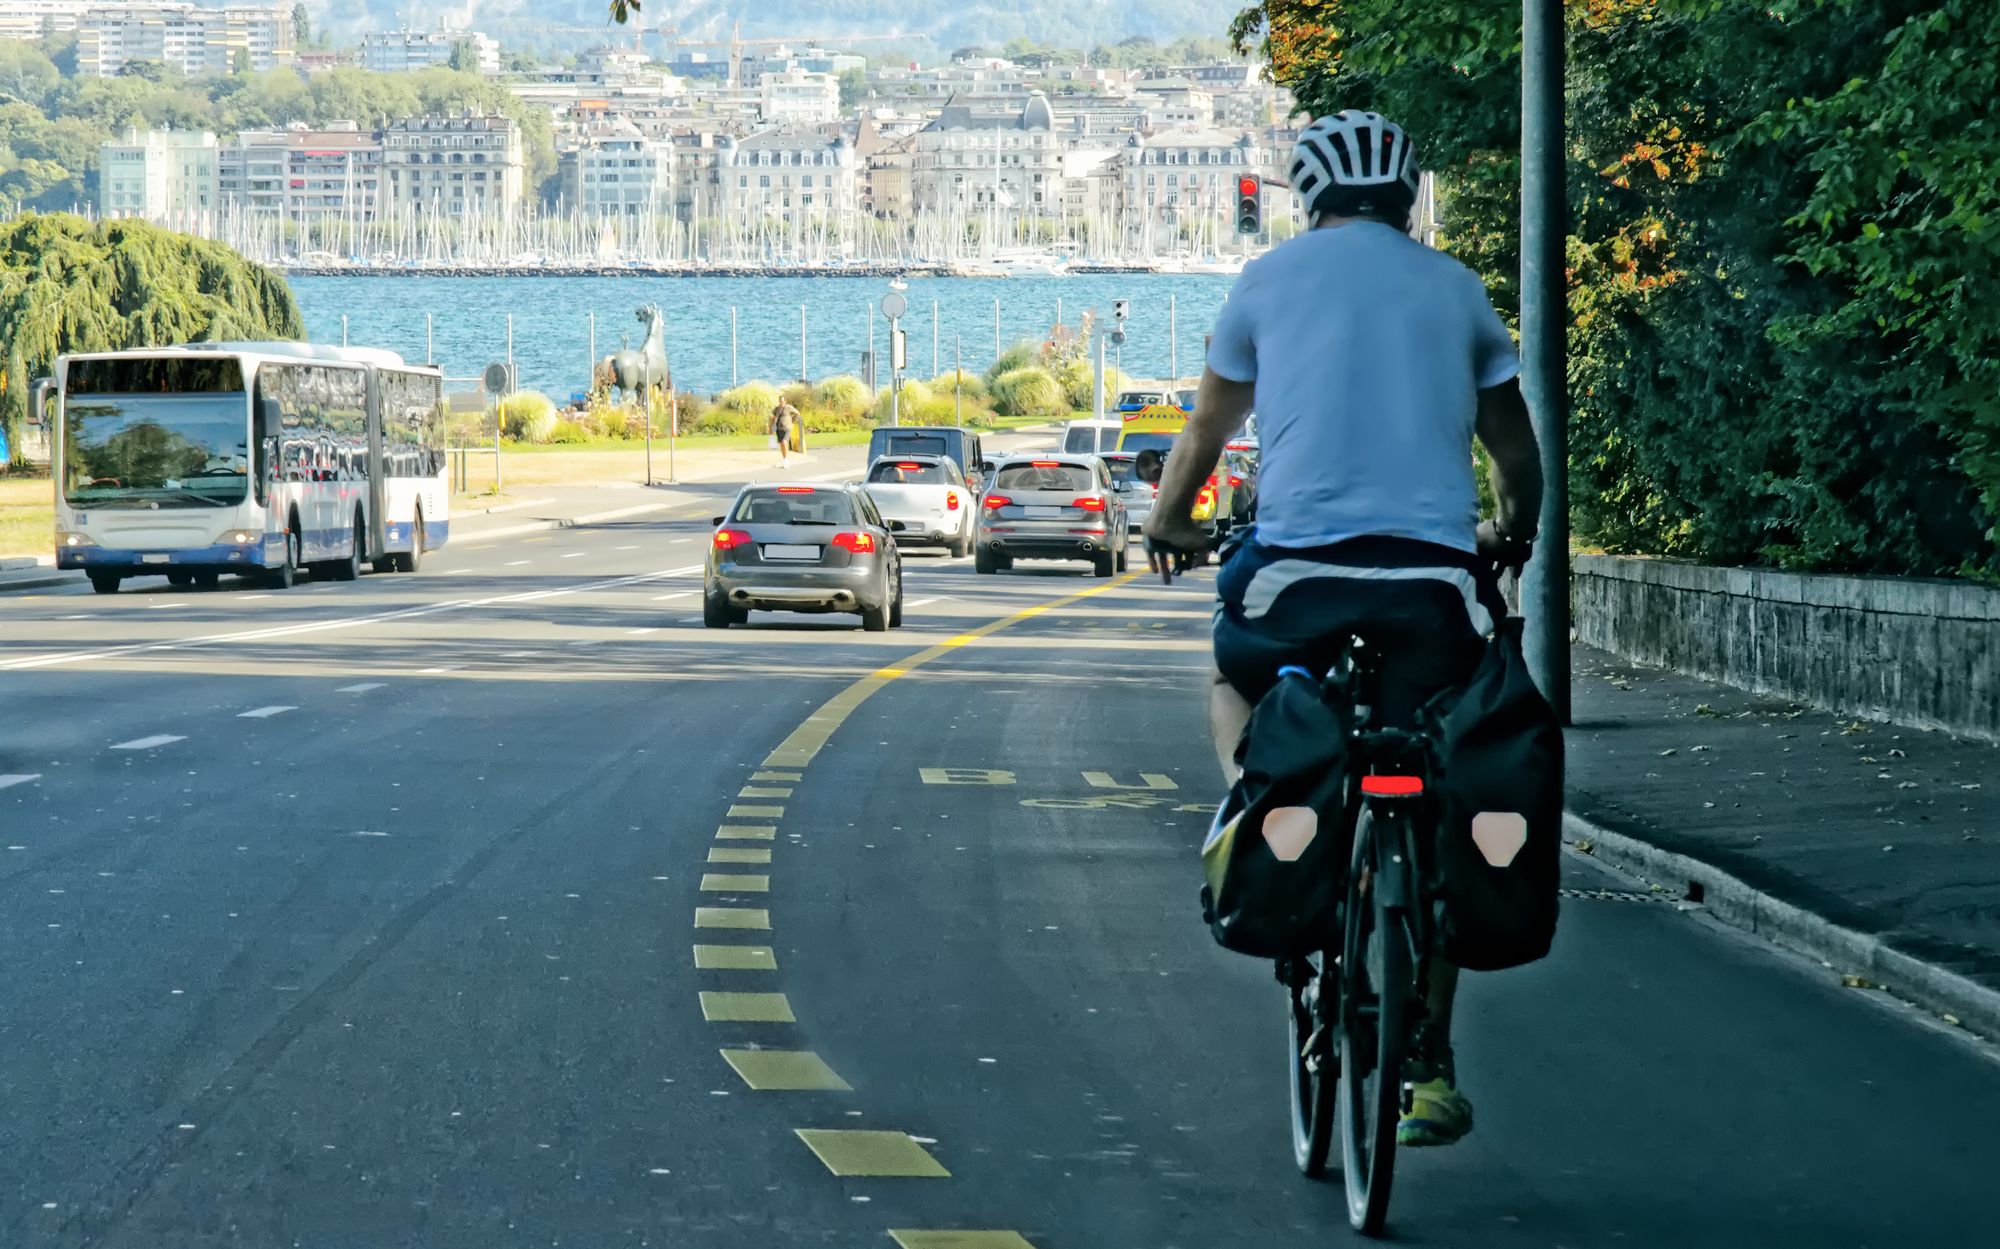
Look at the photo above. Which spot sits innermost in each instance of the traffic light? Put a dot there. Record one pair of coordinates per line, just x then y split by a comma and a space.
1249, 204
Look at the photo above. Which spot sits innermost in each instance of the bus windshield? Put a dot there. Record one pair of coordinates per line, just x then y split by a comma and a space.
156, 450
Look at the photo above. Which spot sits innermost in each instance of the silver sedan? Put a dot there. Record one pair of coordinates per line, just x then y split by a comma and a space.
803, 549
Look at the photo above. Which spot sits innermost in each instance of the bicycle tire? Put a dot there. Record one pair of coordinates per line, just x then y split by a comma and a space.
1314, 1068
1376, 981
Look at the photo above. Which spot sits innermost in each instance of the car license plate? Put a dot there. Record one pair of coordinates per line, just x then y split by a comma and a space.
1042, 513
779, 550
154, 559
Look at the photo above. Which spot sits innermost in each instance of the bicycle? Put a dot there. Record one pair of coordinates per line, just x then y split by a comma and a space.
1358, 1028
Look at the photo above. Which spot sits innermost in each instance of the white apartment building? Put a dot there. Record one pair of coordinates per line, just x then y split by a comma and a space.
188, 40
400, 51
461, 164
799, 97
1182, 183
794, 175
304, 174
1175, 104
617, 171
165, 176
976, 158
37, 19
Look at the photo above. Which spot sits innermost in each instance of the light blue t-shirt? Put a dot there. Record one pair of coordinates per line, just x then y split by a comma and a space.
1368, 350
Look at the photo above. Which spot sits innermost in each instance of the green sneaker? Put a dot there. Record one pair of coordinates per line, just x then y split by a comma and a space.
1438, 1115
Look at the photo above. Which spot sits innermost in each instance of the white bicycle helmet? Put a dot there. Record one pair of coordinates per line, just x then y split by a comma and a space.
1353, 149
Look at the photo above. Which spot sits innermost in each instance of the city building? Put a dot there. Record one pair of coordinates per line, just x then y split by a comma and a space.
975, 158
38, 19
186, 39
165, 176
799, 97
464, 163
617, 170
791, 174
699, 152
400, 51
1180, 185
303, 174
1174, 104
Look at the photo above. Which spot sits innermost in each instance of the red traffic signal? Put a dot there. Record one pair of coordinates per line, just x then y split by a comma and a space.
1249, 204
1247, 185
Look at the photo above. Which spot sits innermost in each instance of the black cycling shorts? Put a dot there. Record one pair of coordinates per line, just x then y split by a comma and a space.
1425, 610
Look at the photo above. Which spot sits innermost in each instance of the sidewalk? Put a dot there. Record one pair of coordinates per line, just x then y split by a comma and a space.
1872, 847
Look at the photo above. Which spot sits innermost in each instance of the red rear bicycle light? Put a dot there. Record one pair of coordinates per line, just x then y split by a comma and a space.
1091, 504
795, 489
951, 500
730, 539
998, 501
1392, 786
859, 543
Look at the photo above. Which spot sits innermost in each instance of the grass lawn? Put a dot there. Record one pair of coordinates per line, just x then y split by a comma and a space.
27, 516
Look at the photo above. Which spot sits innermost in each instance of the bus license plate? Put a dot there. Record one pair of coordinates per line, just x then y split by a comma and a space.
778, 550
154, 559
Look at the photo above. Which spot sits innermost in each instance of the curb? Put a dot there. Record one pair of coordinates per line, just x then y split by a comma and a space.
1936, 989
50, 582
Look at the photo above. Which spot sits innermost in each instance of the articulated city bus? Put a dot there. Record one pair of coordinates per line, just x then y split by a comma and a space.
262, 459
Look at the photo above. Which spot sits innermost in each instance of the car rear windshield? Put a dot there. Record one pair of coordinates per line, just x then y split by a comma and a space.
1132, 442
1068, 478
1122, 468
910, 473
915, 444
794, 507
1090, 438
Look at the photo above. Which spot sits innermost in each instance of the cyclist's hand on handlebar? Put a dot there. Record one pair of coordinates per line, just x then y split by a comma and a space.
1183, 537
1505, 550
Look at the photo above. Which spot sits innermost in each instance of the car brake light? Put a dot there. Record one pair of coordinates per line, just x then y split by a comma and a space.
1392, 786
951, 500
909, 468
1046, 463
1091, 504
1234, 480
729, 539
858, 543
998, 501
795, 489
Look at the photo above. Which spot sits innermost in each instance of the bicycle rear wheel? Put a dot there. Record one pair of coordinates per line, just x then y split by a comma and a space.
1375, 984
1313, 1066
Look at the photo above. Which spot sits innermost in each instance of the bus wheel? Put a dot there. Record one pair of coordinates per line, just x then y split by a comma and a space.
349, 568
286, 576
105, 582
412, 559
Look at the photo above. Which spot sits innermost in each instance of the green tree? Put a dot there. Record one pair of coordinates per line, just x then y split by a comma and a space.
853, 87
14, 405
464, 57
26, 73
239, 61
145, 70
302, 25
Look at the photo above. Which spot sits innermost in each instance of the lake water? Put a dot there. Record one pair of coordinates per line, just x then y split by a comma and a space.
552, 321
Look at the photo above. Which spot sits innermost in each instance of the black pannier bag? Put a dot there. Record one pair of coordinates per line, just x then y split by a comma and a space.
1498, 794
1276, 855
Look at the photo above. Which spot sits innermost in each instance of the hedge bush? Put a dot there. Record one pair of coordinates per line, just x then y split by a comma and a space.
915, 395
527, 416
973, 386
569, 432
1029, 391
1020, 355
842, 397
756, 398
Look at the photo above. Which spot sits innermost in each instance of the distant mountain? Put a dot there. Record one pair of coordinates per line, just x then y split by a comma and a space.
990, 23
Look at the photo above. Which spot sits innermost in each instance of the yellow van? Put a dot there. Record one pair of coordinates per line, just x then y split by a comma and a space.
1155, 427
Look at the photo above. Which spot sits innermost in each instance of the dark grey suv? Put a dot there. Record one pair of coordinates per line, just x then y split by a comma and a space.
806, 549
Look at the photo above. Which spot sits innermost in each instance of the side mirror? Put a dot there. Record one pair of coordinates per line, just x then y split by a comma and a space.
716, 521
270, 418
38, 401
897, 526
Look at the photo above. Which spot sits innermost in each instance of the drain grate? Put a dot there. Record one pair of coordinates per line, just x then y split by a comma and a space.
1618, 895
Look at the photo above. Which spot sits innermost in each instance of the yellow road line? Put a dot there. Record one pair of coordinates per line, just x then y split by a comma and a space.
740, 854
764, 791
809, 738
746, 1008
776, 776
732, 917
911, 1238
785, 1071
735, 958
871, 1153
739, 812
746, 832
726, 882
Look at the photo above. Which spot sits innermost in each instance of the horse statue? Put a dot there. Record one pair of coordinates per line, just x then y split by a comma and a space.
629, 372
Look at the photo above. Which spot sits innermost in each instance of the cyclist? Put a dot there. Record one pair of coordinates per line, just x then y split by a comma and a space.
1372, 362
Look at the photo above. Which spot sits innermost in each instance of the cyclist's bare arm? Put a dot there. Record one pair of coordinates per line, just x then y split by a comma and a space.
1219, 408
1516, 462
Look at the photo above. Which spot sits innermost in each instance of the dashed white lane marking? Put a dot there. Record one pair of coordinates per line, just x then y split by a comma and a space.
690, 620
250, 597
576, 554
646, 630
661, 598
624, 548
82, 617
425, 672
362, 688
18, 778
922, 602
516, 563
163, 606
263, 713
344, 622
366, 833
147, 743
452, 572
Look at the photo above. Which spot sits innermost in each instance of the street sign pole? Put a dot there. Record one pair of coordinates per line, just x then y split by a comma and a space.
1545, 584
893, 307
646, 404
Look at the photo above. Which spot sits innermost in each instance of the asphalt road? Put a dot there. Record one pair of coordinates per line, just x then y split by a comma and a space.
504, 905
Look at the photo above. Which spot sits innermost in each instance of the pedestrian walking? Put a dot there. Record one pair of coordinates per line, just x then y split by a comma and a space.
784, 419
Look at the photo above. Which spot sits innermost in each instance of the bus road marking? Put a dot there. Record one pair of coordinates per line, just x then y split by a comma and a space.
263, 713
148, 743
